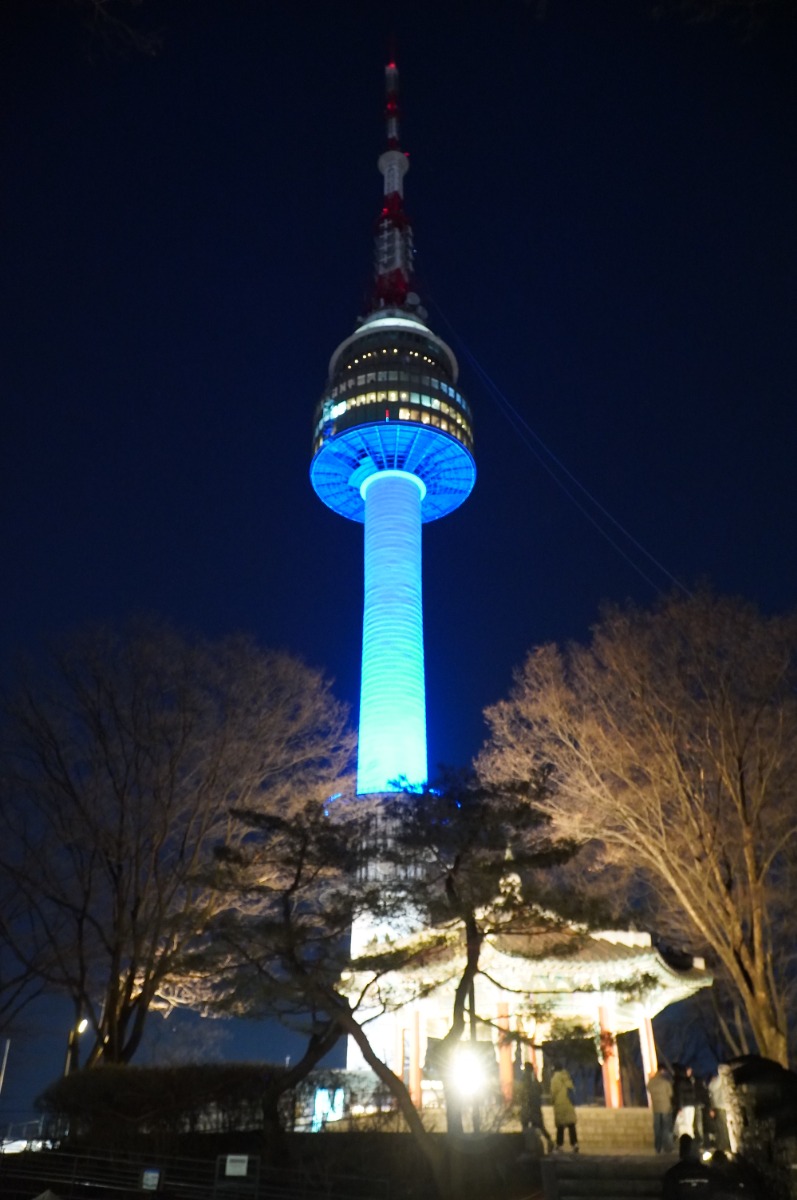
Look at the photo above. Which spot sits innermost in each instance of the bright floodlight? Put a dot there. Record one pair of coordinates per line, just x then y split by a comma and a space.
467, 1072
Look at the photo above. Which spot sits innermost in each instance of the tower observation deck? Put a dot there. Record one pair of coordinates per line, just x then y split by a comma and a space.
392, 449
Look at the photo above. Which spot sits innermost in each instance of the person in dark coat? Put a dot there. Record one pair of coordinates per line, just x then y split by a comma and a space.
732, 1179
702, 1107
684, 1101
531, 1104
689, 1176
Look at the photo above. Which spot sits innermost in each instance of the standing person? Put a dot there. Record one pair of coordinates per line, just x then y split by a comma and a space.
719, 1125
564, 1114
702, 1107
683, 1101
531, 1104
727, 1184
660, 1089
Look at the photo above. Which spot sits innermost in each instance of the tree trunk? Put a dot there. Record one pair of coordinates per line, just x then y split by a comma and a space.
435, 1157
772, 1041
473, 944
318, 1046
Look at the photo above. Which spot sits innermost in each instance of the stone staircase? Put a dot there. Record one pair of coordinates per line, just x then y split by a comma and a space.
567, 1176
610, 1130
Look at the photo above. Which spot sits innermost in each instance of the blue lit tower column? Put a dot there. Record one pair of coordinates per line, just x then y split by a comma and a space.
392, 448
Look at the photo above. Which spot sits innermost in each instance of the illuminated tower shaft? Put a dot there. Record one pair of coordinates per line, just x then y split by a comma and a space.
392, 448
392, 741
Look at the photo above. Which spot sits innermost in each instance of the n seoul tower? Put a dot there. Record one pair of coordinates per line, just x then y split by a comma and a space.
392, 449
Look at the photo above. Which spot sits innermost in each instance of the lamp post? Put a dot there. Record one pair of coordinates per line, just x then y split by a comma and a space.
72, 1047
5, 1061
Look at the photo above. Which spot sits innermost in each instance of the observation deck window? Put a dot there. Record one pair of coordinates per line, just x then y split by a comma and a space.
442, 415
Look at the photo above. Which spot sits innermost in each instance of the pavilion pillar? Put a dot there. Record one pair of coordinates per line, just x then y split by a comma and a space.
522, 1048
398, 1050
647, 1046
505, 1073
415, 1060
610, 1065
527, 1052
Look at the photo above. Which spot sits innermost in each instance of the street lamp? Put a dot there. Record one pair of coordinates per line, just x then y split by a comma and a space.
72, 1046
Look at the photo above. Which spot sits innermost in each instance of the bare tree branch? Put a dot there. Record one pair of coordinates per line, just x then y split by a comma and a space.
673, 741
121, 764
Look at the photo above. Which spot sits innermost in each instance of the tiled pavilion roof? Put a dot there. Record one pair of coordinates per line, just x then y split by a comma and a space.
617, 963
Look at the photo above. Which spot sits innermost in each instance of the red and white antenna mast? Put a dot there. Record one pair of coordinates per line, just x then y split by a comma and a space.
393, 249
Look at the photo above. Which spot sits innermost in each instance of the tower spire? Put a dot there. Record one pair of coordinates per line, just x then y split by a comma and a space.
393, 235
391, 105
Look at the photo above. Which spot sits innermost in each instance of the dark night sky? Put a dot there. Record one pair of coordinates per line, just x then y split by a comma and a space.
604, 210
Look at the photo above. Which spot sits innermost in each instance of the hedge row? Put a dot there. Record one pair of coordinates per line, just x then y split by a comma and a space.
116, 1103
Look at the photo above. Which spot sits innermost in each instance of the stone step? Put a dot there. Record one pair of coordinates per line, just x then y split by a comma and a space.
610, 1130
568, 1176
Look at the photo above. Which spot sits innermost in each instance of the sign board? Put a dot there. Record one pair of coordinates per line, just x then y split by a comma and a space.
150, 1179
236, 1164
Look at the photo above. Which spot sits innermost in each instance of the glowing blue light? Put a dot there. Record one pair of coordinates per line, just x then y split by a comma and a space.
444, 464
327, 1106
394, 471
392, 742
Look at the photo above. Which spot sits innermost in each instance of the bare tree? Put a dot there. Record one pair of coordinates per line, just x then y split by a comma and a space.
115, 25
673, 740
749, 15
121, 761
20, 982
